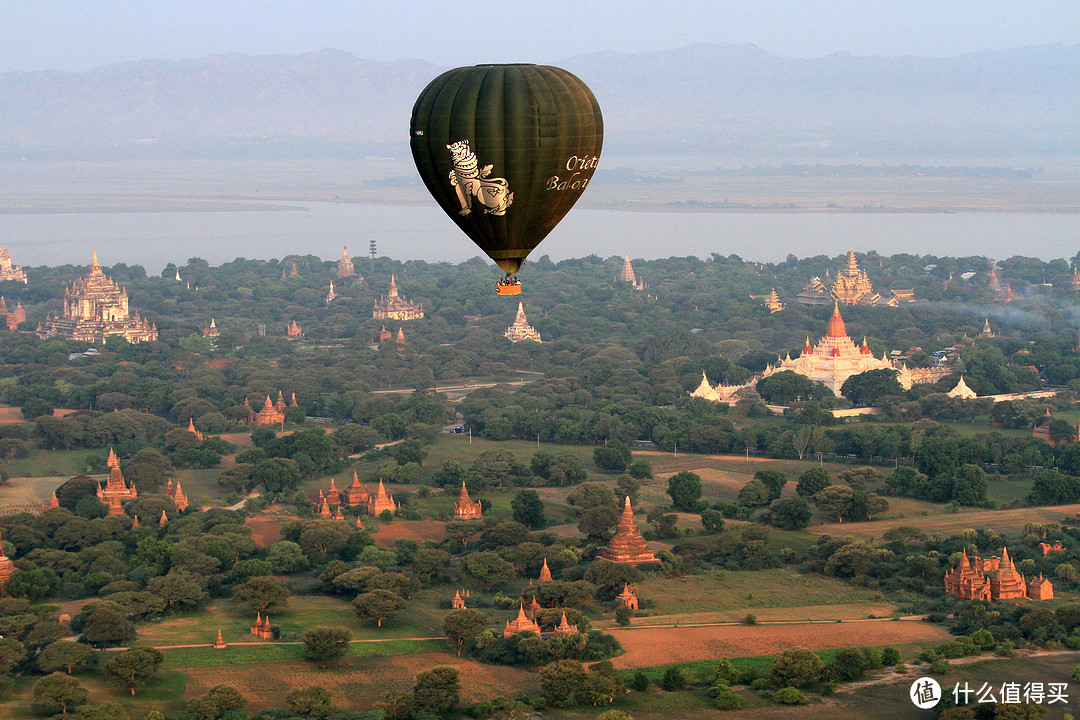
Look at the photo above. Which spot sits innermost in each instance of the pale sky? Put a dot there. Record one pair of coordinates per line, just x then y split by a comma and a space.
83, 34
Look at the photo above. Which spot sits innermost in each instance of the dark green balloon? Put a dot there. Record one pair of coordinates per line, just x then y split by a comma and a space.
524, 142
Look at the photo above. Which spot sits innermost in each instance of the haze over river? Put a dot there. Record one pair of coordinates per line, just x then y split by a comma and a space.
404, 232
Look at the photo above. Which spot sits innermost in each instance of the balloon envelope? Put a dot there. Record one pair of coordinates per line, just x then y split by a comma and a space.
506, 151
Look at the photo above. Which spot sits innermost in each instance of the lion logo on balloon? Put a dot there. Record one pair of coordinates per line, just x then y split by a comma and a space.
471, 181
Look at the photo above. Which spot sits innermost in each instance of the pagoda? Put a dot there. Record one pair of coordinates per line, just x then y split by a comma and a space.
520, 329
627, 597
394, 307
191, 429
465, 508
1040, 589
112, 461
545, 572
852, 286
814, 293
12, 318
116, 486
532, 608
163, 519
330, 296
355, 494
261, 629
967, 582
720, 393
627, 274
115, 508
95, 307
521, 624
986, 331
293, 330
627, 545
7, 568
219, 644
269, 415
1007, 584
380, 502
211, 330
9, 271
179, 498
345, 265
457, 602
333, 495
565, 629
836, 358
771, 301
962, 391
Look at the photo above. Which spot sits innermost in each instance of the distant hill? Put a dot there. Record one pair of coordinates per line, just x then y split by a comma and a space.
733, 100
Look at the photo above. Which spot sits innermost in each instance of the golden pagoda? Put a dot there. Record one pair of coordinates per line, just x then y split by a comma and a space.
627, 545
520, 329
852, 286
95, 307
116, 486
772, 302
627, 275
394, 307
345, 265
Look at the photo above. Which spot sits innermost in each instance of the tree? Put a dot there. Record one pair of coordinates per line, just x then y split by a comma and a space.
311, 702
107, 625
561, 681
64, 655
623, 615
875, 505
788, 387
58, 690
673, 679
592, 494
774, 480
436, 691
323, 644
712, 521
849, 664
487, 568
286, 557
868, 387
685, 490
812, 482
614, 456
178, 589
754, 494
835, 500
528, 508
462, 530
793, 513
462, 626
627, 486
261, 593
598, 523
796, 668
970, 485
377, 605
133, 667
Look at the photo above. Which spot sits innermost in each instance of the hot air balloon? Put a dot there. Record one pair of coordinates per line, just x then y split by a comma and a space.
506, 151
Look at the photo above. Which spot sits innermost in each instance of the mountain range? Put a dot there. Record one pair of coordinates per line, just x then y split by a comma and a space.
729, 100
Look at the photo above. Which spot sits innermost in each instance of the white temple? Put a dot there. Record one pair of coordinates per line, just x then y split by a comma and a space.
520, 329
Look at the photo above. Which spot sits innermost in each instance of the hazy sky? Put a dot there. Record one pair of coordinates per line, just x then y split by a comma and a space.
82, 34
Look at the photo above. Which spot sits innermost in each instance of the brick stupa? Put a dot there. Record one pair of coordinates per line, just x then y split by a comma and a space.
1008, 584
356, 494
627, 545
522, 624
381, 501
465, 508
7, 568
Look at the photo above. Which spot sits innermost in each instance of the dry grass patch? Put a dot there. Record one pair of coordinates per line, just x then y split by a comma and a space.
1003, 521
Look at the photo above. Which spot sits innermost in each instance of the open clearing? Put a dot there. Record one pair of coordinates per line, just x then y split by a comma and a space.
357, 681
661, 646
419, 530
802, 613
1004, 521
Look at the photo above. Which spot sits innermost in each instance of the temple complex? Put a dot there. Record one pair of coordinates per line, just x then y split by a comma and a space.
380, 501
815, 293
521, 624
211, 330
520, 329
95, 307
962, 391
7, 568
293, 330
116, 486
968, 581
465, 508
177, 494
345, 265
9, 271
627, 545
836, 358
627, 597
627, 274
394, 307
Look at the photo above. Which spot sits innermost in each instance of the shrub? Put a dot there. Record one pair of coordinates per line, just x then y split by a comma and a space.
673, 679
939, 666
789, 696
640, 681
724, 698
890, 656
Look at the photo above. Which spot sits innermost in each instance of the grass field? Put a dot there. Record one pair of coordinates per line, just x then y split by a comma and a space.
1003, 521
50, 463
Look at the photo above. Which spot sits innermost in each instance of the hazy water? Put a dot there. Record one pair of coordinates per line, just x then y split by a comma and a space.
405, 232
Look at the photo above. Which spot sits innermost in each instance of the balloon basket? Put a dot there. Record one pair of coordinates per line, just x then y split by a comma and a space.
511, 288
